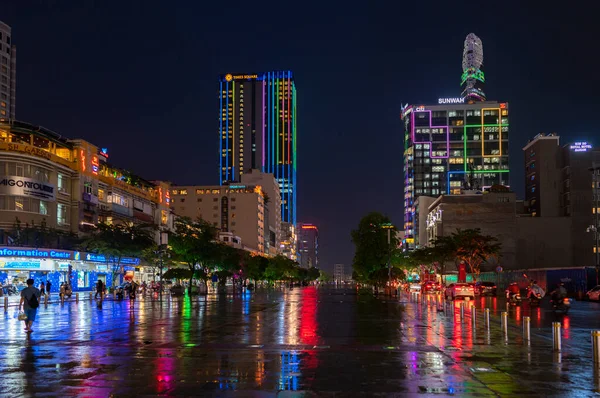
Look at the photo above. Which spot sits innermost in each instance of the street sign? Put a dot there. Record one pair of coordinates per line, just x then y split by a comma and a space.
499, 269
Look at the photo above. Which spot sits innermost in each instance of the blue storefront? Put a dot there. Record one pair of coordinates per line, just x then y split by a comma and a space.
83, 270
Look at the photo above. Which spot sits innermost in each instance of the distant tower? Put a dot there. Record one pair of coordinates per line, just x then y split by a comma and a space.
472, 80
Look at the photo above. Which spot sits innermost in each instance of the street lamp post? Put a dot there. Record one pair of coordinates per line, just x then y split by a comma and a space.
389, 228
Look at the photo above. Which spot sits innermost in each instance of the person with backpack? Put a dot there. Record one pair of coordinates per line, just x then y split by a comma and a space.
30, 301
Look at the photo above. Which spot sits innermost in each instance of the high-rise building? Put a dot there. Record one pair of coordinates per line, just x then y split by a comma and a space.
473, 79
257, 127
308, 245
457, 144
8, 73
339, 273
452, 147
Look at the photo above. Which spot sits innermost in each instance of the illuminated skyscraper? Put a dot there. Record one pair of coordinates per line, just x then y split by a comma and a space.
473, 79
450, 149
257, 128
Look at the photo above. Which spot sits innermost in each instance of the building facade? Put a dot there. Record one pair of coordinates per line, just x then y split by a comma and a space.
8, 73
52, 188
308, 245
452, 146
257, 129
238, 209
562, 181
542, 156
272, 199
494, 213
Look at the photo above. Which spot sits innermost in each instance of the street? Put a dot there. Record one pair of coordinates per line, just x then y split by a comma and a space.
299, 342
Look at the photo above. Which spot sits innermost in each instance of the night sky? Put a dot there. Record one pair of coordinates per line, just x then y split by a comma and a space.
140, 77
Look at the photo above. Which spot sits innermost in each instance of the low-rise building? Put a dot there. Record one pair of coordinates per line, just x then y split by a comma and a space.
238, 209
68, 187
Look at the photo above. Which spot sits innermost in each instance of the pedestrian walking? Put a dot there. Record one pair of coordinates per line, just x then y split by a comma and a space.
30, 301
48, 287
99, 289
43, 288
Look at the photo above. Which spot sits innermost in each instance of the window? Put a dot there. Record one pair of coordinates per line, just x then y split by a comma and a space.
199, 199
199, 191
61, 214
101, 195
183, 192
63, 184
163, 217
43, 207
215, 199
182, 200
215, 207
21, 204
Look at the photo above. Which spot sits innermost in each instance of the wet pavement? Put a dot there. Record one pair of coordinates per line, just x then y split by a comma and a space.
300, 342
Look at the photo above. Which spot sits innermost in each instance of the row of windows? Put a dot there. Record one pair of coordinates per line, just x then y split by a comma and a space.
24, 170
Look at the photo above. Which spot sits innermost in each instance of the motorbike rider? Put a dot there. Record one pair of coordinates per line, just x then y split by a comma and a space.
535, 289
559, 293
513, 289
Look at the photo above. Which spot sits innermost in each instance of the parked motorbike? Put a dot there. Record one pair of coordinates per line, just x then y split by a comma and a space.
563, 304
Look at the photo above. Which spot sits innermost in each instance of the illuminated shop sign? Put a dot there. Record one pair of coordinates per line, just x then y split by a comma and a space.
237, 186
42, 253
20, 265
420, 108
581, 147
451, 100
99, 258
23, 186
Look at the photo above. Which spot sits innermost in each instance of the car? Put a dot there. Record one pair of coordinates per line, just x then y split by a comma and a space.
594, 294
456, 290
431, 287
415, 287
486, 288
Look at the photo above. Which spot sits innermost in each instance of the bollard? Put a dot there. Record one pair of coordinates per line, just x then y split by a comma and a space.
474, 317
596, 347
504, 319
486, 317
91, 296
5, 304
556, 337
527, 329
77, 297
46, 300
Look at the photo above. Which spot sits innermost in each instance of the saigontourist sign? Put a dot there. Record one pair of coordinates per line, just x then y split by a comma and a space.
23, 186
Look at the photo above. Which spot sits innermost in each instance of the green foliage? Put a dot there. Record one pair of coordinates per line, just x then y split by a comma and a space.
372, 248
116, 241
474, 248
177, 273
32, 235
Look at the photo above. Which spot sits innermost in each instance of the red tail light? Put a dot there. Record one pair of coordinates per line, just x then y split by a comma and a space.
566, 300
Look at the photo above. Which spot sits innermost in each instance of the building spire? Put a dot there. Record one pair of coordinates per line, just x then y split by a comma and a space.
473, 79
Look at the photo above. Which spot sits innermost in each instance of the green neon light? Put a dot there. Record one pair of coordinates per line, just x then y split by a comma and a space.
472, 74
465, 152
485, 125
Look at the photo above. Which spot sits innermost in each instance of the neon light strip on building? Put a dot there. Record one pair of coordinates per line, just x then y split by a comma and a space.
430, 142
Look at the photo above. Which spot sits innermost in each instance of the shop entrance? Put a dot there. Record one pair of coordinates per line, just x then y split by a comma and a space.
102, 277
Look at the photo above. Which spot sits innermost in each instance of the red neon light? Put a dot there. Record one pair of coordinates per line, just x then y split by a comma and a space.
309, 227
82, 160
95, 165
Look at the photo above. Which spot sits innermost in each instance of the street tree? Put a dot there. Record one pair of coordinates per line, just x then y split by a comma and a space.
372, 249
474, 248
194, 243
115, 241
